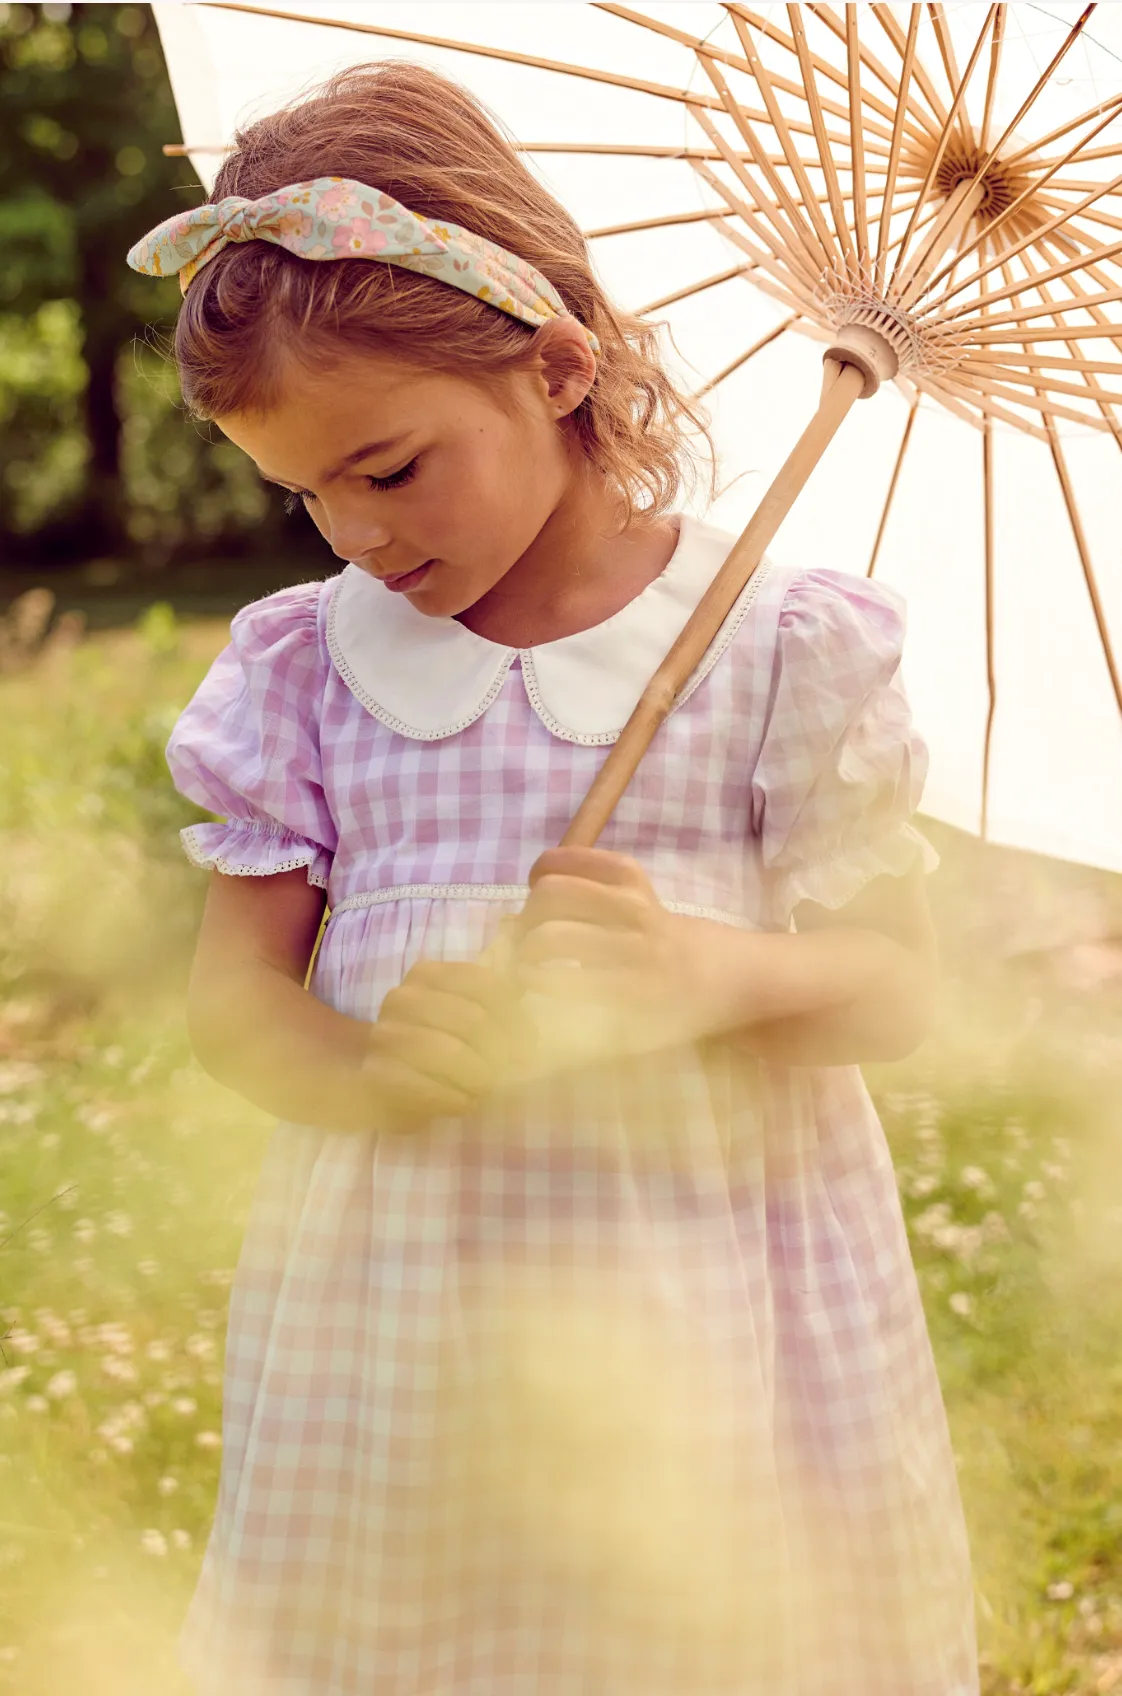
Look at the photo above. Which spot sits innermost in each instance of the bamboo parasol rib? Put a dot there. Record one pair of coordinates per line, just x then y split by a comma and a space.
875, 172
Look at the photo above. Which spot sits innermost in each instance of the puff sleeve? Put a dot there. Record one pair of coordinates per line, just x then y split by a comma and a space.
247, 746
841, 770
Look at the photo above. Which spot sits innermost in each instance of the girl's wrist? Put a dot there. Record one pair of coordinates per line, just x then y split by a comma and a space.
714, 975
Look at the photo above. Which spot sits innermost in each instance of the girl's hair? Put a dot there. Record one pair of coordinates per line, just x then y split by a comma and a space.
427, 142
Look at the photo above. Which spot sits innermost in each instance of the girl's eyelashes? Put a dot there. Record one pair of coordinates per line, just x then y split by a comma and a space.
397, 480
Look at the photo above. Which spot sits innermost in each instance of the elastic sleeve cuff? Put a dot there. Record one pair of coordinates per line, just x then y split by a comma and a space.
248, 848
838, 880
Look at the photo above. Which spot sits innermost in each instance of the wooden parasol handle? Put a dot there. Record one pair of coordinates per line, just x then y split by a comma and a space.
842, 385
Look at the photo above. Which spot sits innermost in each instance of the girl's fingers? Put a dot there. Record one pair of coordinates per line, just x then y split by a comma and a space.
433, 1053
467, 979
611, 989
591, 865
612, 906
434, 1009
589, 945
403, 1094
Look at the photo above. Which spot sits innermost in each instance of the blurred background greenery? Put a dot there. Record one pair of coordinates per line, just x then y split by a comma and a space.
107, 492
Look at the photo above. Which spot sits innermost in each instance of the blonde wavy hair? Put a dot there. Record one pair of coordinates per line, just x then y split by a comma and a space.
429, 143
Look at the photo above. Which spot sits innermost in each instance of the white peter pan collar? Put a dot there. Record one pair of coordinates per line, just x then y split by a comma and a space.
428, 678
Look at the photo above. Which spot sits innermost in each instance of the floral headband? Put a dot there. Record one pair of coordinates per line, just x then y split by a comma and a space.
336, 218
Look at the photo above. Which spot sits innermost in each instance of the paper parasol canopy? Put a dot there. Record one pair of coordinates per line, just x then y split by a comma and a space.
933, 188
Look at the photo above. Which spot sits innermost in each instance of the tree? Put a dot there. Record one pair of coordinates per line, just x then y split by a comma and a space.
86, 105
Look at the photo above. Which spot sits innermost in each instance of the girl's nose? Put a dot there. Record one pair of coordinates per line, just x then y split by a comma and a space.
360, 539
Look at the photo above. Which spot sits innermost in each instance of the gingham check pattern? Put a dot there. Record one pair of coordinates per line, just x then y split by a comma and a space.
375, 1532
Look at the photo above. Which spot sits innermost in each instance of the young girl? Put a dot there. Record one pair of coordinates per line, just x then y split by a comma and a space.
614, 1379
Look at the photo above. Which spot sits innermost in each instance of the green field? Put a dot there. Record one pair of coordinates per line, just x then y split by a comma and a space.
126, 1176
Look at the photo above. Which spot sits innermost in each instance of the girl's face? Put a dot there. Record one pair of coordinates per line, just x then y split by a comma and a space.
428, 481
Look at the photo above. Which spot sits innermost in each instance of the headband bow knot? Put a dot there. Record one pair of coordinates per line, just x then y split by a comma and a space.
338, 218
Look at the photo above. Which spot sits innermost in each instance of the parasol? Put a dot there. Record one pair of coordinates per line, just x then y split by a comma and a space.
929, 195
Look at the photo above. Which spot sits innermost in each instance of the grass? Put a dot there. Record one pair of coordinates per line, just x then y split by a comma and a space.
127, 1175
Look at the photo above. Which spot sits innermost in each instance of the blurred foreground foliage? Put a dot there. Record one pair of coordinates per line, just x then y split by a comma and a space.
127, 1176
97, 460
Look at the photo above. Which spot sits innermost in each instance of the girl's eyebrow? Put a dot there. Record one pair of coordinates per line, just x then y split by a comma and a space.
345, 464
361, 454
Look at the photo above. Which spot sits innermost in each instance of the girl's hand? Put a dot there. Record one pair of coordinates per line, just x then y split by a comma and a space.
440, 1042
595, 910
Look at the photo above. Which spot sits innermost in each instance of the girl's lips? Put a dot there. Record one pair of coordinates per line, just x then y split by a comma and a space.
407, 579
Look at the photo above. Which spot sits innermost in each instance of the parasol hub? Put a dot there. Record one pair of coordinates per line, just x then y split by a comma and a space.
869, 349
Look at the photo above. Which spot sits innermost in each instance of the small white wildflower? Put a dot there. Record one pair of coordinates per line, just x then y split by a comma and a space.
153, 1543
119, 1224
158, 1350
17, 1075
13, 1377
120, 1444
168, 1485
67, 1200
153, 1398
1027, 1210
932, 1219
54, 1328
121, 1371
200, 1346
49, 1140
186, 1405
1062, 1146
1062, 1591
129, 1418
976, 1178
39, 1241
148, 1268
994, 1228
208, 1440
923, 1184
1034, 1190
36, 1404
84, 1230
95, 1119
182, 1539
22, 1341
961, 1303
1058, 1174
209, 1318
116, 1336
63, 1384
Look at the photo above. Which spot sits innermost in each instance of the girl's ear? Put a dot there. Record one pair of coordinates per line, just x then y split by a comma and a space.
566, 363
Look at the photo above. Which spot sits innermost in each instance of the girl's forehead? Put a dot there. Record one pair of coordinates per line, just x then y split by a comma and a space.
334, 420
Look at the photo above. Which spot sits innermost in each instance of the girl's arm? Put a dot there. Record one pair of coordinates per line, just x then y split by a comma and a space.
852, 985
848, 986
257, 1029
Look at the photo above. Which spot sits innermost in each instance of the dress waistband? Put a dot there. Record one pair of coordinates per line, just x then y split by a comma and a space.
512, 892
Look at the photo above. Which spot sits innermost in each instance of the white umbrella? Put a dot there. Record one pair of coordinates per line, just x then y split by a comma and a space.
1010, 663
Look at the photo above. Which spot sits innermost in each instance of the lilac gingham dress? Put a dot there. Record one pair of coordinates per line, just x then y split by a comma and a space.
375, 1531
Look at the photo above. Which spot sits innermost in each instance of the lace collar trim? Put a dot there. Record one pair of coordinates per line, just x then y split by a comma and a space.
429, 678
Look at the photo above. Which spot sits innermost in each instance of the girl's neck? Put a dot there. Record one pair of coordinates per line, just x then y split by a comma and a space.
579, 570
